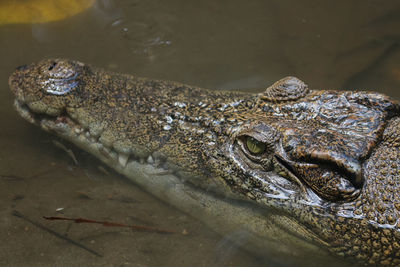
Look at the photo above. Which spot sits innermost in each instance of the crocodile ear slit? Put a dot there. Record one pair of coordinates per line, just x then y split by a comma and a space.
286, 89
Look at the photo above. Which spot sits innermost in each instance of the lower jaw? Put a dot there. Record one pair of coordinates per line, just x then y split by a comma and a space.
264, 236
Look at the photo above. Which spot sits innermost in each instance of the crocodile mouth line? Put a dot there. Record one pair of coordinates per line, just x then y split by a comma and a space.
289, 173
69, 129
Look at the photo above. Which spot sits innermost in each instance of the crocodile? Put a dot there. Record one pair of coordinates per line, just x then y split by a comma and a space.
300, 171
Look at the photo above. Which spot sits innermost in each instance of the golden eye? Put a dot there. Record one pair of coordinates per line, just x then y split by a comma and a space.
254, 146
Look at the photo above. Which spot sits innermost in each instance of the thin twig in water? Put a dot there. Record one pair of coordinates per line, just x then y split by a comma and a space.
113, 224
40, 226
12, 177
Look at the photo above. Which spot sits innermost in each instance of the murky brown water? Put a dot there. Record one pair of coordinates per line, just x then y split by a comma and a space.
214, 44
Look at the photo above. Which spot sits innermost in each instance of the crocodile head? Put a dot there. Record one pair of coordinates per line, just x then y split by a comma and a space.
327, 160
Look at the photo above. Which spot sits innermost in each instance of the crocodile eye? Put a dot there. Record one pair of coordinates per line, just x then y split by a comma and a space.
254, 146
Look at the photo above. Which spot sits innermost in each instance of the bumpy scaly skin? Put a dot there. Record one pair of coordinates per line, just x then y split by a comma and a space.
331, 159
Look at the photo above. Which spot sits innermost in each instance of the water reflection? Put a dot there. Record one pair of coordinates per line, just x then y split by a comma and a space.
40, 11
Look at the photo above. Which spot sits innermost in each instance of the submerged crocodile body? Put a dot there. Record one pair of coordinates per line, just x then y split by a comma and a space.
310, 170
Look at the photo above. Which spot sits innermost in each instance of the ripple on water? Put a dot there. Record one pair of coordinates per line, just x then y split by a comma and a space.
147, 37
144, 28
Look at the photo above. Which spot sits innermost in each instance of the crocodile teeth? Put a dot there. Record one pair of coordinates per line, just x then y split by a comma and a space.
123, 159
150, 160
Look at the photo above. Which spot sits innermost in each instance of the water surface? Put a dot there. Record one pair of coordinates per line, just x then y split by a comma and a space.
213, 44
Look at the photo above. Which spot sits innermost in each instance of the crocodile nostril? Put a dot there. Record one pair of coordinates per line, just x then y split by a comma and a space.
53, 64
